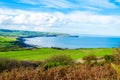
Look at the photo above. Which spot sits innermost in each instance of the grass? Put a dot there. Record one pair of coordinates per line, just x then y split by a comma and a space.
44, 53
73, 72
6, 41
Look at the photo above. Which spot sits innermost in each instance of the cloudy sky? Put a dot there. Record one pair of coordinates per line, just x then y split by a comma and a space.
96, 17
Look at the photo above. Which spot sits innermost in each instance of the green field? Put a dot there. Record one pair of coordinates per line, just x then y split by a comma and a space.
44, 53
9, 39
6, 41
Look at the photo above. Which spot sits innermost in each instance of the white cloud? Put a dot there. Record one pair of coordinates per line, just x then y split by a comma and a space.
75, 22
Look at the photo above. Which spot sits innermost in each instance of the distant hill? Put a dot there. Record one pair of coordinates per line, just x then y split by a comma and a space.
20, 33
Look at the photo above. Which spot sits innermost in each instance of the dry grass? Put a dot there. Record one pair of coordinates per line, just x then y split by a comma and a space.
74, 72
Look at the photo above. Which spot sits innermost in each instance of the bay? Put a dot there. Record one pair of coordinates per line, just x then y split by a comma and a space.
74, 42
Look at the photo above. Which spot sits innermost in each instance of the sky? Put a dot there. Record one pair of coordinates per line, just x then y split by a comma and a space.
92, 17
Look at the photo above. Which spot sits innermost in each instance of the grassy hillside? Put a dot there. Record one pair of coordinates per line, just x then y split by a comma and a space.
19, 33
7, 41
11, 44
44, 53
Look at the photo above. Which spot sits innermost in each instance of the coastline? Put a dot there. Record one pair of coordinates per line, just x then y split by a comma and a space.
22, 43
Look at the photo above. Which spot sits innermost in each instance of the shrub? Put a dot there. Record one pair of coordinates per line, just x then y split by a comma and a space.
109, 58
8, 64
51, 64
58, 48
58, 60
90, 58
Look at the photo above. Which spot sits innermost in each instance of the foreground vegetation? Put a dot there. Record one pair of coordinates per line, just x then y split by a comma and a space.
19, 63
76, 72
62, 67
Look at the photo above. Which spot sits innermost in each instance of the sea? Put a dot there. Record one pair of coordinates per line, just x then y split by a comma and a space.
74, 42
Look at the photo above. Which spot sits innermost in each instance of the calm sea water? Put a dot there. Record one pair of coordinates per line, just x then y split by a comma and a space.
74, 42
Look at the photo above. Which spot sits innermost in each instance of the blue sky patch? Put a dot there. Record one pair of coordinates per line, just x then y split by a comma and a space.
68, 16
